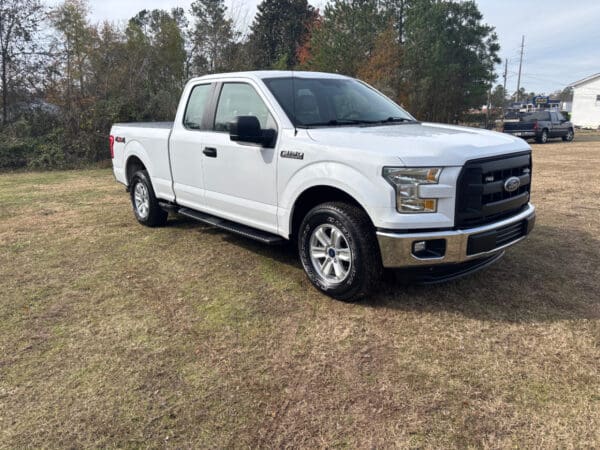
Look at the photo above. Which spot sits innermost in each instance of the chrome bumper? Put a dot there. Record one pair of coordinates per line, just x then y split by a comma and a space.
522, 134
460, 245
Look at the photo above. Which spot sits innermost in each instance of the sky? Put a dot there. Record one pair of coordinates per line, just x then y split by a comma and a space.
562, 37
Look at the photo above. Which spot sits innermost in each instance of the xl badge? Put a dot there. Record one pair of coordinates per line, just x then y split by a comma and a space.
512, 184
292, 155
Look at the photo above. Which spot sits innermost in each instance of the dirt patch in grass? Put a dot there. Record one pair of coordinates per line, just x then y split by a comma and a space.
116, 335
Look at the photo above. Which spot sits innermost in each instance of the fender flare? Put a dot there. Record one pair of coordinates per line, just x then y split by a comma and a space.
135, 148
335, 175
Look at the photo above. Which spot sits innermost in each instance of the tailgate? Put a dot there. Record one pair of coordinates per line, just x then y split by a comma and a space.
519, 126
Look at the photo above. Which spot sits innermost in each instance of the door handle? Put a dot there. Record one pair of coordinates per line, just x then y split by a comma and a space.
211, 152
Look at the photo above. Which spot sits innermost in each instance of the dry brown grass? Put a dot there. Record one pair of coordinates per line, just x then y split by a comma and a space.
115, 335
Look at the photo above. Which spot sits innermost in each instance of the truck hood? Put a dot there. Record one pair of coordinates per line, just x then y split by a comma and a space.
421, 144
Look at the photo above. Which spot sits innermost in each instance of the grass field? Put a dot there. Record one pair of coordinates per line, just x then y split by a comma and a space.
116, 335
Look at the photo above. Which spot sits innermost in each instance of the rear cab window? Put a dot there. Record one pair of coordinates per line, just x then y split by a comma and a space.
540, 115
197, 106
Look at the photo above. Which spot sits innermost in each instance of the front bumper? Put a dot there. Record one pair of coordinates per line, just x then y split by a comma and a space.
455, 246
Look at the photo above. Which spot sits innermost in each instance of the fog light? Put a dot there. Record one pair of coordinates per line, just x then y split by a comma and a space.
419, 246
434, 248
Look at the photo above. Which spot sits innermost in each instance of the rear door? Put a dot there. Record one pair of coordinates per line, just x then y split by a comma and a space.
186, 144
239, 178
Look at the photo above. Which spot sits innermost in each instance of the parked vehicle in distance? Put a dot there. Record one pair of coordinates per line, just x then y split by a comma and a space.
541, 125
328, 162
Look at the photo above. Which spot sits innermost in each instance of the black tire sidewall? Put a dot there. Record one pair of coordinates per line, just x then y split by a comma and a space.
325, 214
156, 215
569, 137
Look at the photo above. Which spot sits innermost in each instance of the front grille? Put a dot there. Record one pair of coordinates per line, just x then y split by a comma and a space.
481, 196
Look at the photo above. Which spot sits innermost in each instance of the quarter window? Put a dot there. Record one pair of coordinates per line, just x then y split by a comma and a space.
194, 112
240, 99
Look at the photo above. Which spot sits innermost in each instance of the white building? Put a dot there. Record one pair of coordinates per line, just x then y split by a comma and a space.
586, 102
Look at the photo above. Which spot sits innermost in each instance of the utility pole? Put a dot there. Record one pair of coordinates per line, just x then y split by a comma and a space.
520, 67
504, 88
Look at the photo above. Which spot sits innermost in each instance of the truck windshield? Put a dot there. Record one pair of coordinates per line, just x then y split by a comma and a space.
334, 102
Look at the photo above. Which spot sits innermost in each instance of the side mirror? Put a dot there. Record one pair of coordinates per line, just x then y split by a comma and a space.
247, 129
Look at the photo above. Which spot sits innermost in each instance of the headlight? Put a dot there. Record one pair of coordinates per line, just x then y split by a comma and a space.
406, 181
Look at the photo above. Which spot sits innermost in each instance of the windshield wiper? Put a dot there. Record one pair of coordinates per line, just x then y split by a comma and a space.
338, 122
393, 120
342, 122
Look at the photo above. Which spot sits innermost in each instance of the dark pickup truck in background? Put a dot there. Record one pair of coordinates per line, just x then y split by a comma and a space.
541, 125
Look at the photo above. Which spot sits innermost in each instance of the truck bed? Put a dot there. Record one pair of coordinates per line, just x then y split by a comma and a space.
150, 142
161, 125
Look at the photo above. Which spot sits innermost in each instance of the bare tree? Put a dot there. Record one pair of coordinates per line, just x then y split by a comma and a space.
19, 23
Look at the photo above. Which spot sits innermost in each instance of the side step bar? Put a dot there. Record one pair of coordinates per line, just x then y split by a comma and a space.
249, 232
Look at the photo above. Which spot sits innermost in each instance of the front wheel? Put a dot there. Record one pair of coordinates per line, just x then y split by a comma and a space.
339, 251
569, 136
145, 205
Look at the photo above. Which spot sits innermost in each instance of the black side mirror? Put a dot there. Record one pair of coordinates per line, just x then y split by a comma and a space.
247, 129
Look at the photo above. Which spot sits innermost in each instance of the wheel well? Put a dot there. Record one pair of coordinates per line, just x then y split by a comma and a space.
133, 165
315, 196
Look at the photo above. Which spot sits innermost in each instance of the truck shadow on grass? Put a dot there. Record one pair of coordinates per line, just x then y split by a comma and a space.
551, 276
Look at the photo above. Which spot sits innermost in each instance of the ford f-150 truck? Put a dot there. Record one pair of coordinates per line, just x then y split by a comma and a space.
337, 167
541, 125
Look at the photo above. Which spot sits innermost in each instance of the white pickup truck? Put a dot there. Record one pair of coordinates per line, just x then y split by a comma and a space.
333, 164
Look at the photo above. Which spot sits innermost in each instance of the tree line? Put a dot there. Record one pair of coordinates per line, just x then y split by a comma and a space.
65, 80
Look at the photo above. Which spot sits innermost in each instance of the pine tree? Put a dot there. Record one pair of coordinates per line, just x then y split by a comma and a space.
278, 31
346, 36
449, 58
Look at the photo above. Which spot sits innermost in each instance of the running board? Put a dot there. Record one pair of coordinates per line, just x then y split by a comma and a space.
249, 232
168, 206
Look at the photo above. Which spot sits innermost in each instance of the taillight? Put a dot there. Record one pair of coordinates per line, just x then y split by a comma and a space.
111, 142
535, 125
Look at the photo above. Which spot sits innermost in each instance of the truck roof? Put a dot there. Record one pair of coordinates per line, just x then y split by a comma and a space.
262, 74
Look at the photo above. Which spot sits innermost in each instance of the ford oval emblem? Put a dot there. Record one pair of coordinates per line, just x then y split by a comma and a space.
512, 184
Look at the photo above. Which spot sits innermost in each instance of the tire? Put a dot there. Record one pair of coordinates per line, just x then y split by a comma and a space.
146, 209
543, 138
339, 251
570, 135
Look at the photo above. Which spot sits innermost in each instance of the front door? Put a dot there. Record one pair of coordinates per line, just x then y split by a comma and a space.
558, 128
240, 179
562, 123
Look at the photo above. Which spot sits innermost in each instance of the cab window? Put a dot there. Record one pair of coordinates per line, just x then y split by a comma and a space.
241, 99
194, 112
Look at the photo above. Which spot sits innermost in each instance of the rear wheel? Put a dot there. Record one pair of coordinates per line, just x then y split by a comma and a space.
339, 251
543, 138
569, 136
145, 205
